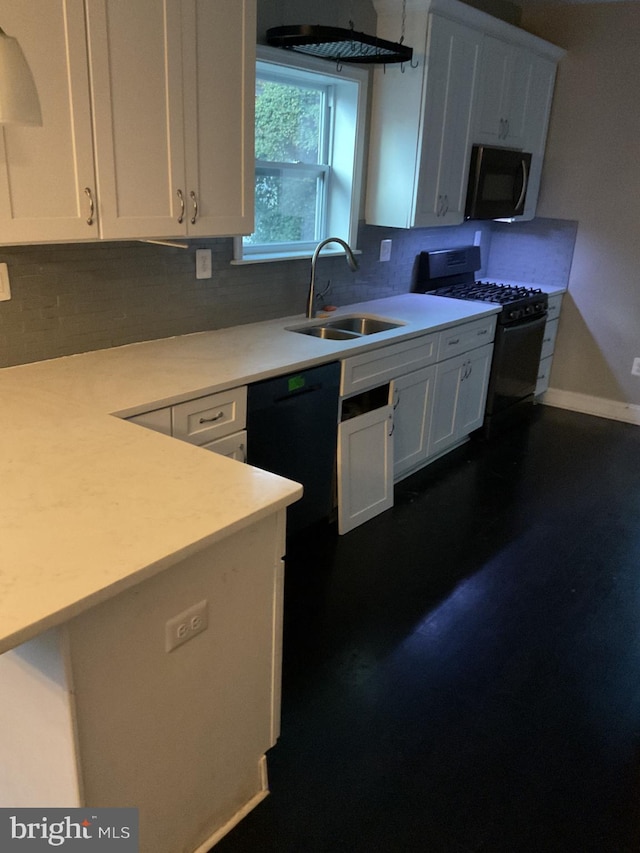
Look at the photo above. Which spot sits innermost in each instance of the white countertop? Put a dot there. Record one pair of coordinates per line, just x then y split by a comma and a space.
91, 505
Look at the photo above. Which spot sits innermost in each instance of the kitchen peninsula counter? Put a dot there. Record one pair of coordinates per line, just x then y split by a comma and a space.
108, 531
91, 504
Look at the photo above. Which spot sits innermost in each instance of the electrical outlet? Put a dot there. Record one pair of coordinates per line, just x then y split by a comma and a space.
5, 287
385, 250
181, 628
635, 370
203, 263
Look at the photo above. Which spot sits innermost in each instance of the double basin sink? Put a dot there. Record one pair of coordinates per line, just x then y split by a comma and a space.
348, 327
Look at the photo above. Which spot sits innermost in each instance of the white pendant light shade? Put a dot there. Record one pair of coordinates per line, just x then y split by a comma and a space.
19, 102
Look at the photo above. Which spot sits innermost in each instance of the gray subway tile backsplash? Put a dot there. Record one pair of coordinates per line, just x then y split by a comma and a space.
70, 298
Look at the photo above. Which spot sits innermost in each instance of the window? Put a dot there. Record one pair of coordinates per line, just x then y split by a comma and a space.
308, 147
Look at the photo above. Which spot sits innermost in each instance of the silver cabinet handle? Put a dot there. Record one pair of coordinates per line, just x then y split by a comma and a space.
194, 199
396, 399
439, 206
446, 205
211, 420
181, 197
87, 192
453, 342
243, 450
393, 425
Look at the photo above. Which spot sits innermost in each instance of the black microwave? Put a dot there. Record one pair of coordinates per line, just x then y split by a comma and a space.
498, 180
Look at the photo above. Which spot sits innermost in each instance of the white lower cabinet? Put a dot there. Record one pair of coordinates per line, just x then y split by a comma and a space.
216, 422
548, 343
233, 446
412, 398
365, 466
460, 394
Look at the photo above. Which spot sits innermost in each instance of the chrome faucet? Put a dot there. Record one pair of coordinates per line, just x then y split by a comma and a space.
353, 264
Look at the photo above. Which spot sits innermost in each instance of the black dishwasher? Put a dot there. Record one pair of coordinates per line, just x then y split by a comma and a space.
292, 427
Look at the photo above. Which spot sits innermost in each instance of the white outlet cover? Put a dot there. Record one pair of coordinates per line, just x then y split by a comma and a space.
203, 263
385, 250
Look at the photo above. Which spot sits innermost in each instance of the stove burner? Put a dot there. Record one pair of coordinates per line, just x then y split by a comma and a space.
487, 291
451, 273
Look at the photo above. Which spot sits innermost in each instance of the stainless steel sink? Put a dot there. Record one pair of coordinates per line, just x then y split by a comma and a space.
347, 327
361, 325
328, 332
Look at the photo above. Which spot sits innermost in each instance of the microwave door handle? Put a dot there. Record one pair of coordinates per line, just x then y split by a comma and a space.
525, 180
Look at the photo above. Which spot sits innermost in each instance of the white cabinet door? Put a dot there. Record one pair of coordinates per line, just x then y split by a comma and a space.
460, 395
173, 92
475, 381
454, 55
446, 404
536, 126
412, 398
421, 125
136, 72
44, 170
219, 57
504, 93
365, 467
232, 446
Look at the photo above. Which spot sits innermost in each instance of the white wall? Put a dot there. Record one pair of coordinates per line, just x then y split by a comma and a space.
592, 174
328, 13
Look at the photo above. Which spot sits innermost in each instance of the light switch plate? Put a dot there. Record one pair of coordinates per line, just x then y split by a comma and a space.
5, 287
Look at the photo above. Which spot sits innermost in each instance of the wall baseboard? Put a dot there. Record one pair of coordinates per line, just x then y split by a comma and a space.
599, 406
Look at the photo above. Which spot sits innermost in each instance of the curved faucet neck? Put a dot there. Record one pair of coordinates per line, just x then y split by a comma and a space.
350, 260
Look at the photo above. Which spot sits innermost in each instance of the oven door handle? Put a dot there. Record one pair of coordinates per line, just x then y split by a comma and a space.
525, 181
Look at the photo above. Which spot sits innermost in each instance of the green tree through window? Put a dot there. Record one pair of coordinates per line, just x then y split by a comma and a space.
290, 173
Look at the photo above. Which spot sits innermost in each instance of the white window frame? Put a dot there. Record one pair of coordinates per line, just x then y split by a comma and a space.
346, 144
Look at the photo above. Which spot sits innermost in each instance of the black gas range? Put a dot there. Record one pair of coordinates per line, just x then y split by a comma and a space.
451, 272
519, 331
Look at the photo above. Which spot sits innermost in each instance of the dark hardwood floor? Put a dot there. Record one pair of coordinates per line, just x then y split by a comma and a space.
462, 673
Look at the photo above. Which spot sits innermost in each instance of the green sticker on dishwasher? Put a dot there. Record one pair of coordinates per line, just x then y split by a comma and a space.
295, 382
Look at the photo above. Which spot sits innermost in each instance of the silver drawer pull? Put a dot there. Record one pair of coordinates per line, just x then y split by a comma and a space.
451, 343
483, 331
211, 420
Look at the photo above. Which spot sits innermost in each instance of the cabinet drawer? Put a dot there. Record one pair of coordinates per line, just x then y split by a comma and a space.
207, 418
234, 446
466, 337
379, 366
549, 339
553, 307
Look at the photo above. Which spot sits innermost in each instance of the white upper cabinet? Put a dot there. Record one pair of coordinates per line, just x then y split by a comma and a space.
46, 173
453, 57
477, 80
421, 125
147, 121
135, 55
503, 95
219, 58
172, 87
